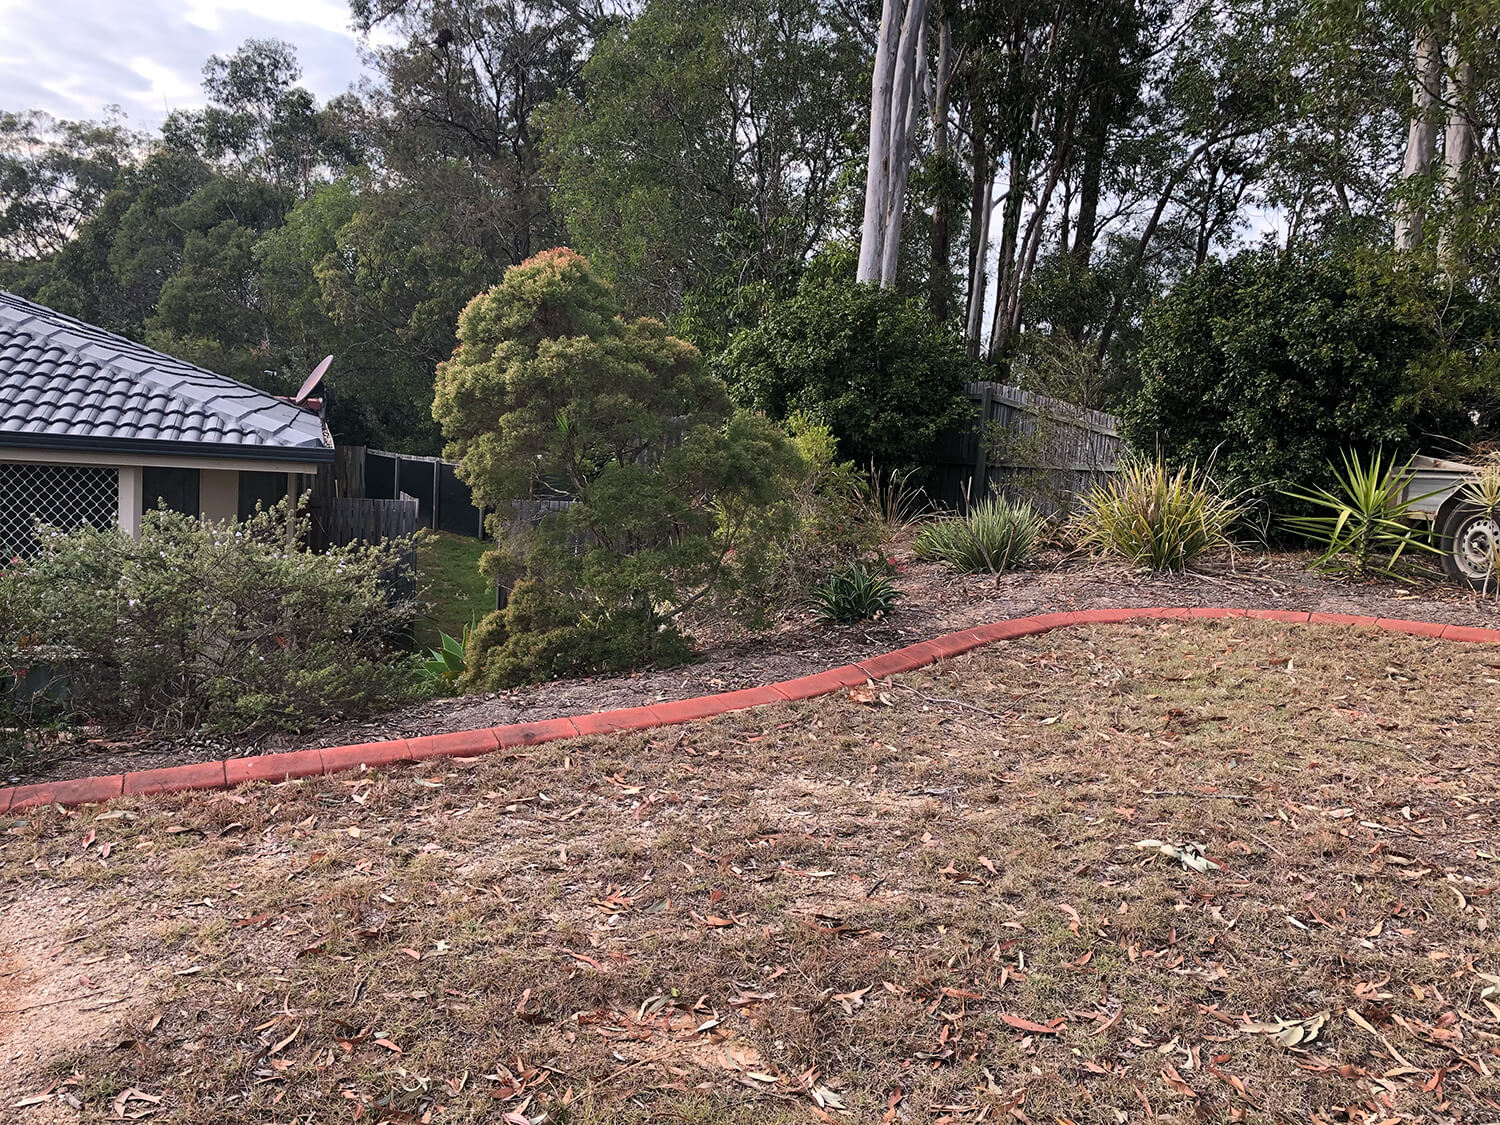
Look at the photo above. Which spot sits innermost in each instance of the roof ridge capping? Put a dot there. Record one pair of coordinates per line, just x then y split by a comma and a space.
277, 420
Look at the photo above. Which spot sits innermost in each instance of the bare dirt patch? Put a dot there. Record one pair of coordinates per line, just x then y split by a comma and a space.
61, 995
925, 900
935, 600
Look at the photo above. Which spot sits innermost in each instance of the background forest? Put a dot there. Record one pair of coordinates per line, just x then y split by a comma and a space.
1137, 205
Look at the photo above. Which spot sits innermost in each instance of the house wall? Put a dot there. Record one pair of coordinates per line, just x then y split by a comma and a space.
219, 493
219, 483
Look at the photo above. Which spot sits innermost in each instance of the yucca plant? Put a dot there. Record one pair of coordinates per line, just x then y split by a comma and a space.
1155, 518
1483, 493
997, 535
1366, 518
854, 593
1484, 490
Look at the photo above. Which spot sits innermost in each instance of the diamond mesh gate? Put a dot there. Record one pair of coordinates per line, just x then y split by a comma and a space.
64, 496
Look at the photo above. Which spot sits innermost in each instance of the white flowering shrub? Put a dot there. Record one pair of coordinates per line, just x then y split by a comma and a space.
227, 626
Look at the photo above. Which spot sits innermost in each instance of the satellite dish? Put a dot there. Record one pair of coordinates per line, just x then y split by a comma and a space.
310, 384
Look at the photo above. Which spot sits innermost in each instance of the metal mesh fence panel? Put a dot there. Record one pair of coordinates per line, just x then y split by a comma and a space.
64, 496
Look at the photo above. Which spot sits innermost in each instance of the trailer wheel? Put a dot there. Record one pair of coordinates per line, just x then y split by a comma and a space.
1470, 539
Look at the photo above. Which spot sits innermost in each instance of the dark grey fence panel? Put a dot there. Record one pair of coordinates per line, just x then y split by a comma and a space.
456, 511
1024, 445
380, 475
444, 503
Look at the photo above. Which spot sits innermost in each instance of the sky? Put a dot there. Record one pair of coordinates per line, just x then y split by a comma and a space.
72, 58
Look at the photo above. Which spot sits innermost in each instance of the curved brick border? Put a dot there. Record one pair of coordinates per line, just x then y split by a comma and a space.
312, 763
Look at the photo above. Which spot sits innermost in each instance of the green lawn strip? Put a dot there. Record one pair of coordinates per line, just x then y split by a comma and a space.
452, 589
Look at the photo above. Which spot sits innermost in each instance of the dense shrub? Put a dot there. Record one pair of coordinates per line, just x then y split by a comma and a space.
677, 498
995, 536
828, 524
201, 624
864, 361
1154, 518
1271, 364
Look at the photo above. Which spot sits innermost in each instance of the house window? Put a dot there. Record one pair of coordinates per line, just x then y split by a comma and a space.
176, 488
264, 489
65, 496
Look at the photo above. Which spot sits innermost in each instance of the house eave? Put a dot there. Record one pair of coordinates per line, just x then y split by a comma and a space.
142, 452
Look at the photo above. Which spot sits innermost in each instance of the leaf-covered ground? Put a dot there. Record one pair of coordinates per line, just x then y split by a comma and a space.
927, 900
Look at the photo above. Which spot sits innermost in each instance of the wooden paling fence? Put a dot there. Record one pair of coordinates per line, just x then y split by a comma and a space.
1026, 446
338, 521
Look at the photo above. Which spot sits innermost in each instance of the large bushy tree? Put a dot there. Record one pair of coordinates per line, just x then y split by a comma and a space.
705, 147
865, 361
552, 392
1270, 365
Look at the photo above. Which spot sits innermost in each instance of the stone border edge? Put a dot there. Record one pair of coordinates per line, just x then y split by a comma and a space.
467, 744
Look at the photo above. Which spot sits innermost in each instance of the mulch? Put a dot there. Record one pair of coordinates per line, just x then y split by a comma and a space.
934, 600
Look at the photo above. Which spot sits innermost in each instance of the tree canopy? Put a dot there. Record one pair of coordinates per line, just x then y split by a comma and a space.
1042, 173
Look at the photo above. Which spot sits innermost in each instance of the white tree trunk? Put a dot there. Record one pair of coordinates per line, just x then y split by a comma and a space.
1421, 138
1458, 146
877, 166
911, 78
894, 87
981, 270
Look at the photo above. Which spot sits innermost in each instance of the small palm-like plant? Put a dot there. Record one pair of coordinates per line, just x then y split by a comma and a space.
1484, 490
1155, 518
446, 662
855, 593
994, 537
1483, 494
1366, 517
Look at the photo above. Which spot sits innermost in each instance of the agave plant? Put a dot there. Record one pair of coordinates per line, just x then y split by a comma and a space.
446, 662
1156, 518
855, 593
1366, 516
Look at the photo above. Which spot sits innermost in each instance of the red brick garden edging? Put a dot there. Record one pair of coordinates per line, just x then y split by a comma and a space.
464, 744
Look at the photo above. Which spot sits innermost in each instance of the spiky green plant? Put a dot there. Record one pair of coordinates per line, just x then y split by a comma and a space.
1155, 518
446, 662
997, 535
854, 593
1366, 516
1484, 490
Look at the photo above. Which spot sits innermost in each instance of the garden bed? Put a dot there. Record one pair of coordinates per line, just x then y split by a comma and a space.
927, 899
935, 600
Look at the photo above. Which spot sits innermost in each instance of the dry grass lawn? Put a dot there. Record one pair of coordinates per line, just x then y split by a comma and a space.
926, 901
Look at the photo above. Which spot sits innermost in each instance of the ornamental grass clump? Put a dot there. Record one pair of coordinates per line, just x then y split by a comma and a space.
997, 535
1155, 518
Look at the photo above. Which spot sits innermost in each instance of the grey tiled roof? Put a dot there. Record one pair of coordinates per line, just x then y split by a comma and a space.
66, 384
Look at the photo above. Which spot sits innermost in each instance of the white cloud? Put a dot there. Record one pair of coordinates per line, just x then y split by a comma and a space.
324, 14
72, 58
162, 84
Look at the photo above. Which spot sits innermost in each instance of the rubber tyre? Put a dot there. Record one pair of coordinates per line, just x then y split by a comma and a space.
1458, 531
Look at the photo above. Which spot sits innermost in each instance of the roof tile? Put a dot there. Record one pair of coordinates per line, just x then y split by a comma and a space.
69, 380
